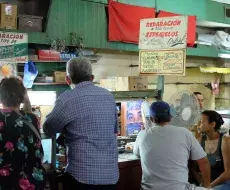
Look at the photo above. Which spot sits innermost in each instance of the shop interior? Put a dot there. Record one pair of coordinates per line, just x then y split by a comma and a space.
115, 67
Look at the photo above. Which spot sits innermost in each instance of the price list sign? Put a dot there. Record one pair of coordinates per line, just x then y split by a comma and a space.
162, 45
162, 62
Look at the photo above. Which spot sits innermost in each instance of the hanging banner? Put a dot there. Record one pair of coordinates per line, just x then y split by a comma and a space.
13, 47
162, 62
163, 33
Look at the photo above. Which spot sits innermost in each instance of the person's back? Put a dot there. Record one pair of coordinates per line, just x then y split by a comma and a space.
166, 151
21, 151
90, 136
87, 116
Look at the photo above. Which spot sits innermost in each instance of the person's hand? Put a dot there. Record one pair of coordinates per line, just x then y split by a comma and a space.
20, 78
142, 127
207, 186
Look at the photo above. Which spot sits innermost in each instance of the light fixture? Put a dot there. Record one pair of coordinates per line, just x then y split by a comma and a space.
224, 55
222, 1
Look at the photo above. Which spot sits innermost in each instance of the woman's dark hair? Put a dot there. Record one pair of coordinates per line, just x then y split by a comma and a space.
213, 116
12, 92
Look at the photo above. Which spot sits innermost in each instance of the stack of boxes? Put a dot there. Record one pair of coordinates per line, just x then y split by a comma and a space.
8, 19
131, 83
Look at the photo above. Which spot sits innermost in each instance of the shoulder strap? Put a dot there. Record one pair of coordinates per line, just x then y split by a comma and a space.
220, 143
32, 127
221, 138
203, 139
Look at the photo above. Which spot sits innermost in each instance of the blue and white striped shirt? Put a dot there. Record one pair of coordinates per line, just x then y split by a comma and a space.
87, 115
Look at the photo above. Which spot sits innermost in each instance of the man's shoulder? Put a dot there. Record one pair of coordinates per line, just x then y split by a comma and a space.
173, 127
103, 90
73, 94
180, 130
65, 94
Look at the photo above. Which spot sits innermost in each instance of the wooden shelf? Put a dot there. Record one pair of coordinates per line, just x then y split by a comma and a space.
51, 83
135, 94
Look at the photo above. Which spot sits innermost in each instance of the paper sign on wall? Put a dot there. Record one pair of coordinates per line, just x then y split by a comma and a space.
162, 62
13, 47
163, 33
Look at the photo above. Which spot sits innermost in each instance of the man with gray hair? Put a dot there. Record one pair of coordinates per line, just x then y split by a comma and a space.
87, 116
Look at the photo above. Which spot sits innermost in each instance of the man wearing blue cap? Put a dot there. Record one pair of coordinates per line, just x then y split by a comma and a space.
164, 151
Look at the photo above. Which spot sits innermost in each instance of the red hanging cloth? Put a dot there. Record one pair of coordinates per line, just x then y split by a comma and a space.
191, 36
124, 21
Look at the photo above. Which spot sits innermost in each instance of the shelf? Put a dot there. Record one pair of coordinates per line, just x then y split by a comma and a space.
51, 83
49, 61
136, 94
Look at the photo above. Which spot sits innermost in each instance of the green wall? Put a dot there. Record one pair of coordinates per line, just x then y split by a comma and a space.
88, 20
146, 3
204, 9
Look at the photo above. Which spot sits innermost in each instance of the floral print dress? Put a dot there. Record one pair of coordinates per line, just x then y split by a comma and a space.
21, 153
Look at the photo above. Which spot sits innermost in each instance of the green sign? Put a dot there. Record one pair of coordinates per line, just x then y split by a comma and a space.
13, 47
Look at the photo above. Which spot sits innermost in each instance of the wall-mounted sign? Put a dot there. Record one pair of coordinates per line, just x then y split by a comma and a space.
162, 62
13, 47
163, 33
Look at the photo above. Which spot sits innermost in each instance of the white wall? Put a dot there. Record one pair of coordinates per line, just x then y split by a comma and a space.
118, 65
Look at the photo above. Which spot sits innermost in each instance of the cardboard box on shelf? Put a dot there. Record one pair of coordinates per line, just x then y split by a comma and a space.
44, 55
59, 76
131, 83
55, 55
44, 79
33, 57
48, 55
8, 19
30, 23
108, 84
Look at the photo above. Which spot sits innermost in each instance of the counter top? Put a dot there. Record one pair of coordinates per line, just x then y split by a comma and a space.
124, 157
128, 160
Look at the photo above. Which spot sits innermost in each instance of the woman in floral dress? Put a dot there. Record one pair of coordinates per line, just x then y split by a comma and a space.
21, 152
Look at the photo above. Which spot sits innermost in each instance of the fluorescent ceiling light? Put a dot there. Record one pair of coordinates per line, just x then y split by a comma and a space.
222, 1
224, 55
210, 24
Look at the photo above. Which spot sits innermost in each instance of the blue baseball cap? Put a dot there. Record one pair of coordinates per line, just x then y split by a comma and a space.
160, 109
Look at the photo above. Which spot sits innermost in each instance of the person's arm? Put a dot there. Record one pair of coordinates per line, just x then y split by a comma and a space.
57, 120
116, 122
194, 171
195, 168
136, 150
197, 154
26, 104
225, 147
205, 171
